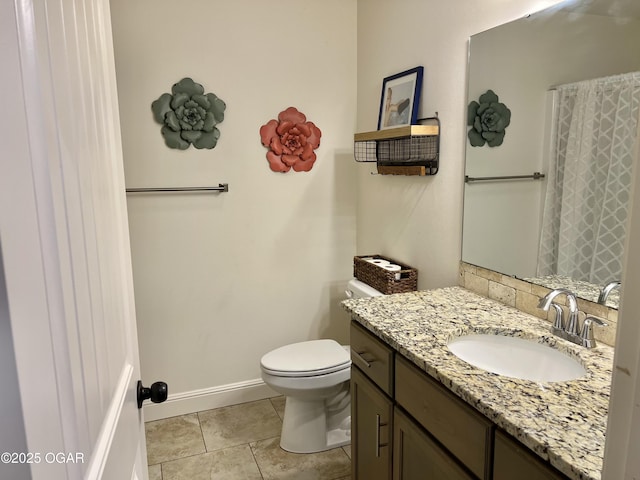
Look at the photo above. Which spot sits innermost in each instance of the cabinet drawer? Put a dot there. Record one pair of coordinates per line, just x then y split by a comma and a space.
514, 460
373, 357
464, 432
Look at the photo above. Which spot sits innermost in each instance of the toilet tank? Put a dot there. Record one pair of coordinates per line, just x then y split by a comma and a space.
358, 289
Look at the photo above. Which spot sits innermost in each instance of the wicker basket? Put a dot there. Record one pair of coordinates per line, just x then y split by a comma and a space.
384, 280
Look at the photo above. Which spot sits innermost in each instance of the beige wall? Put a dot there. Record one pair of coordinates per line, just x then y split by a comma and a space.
220, 279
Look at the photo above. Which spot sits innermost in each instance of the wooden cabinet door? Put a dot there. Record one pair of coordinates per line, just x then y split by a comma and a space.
371, 417
417, 457
513, 460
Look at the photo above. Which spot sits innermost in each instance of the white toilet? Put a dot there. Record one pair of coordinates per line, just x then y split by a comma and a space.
314, 378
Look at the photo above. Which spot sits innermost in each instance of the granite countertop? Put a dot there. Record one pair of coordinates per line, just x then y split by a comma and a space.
563, 422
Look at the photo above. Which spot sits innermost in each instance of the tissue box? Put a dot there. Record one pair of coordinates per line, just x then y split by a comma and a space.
406, 280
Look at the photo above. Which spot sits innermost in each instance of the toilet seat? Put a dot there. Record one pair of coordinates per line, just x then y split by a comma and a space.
306, 359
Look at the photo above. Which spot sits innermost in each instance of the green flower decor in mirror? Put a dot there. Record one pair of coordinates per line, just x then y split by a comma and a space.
189, 116
488, 120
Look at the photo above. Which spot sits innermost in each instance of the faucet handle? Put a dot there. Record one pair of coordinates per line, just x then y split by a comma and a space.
558, 323
586, 335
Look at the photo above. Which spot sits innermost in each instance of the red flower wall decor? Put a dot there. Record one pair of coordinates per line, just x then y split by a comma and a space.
291, 141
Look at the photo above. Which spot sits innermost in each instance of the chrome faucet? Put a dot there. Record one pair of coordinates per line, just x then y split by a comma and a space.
606, 290
571, 330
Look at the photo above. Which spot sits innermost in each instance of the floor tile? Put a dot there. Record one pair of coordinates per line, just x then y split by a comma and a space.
173, 438
238, 424
278, 404
347, 450
155, 472
235, 463
276, 464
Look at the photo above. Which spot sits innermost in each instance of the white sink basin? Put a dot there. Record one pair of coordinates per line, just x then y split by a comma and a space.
516, 357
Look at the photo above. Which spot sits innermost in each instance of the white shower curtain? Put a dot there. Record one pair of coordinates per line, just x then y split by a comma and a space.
594, 131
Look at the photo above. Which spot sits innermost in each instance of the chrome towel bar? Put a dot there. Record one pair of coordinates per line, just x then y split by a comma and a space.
222, 187
534, 176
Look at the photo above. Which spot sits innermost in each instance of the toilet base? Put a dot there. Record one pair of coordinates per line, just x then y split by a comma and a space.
339, 437
309, 426
293, 442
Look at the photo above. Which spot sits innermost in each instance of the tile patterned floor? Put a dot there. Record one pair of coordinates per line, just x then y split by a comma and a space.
240, 442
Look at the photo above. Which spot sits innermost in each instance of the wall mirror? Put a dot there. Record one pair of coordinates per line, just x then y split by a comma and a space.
551, 69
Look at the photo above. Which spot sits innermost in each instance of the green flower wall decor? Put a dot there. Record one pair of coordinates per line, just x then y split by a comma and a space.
189, 116
488, 120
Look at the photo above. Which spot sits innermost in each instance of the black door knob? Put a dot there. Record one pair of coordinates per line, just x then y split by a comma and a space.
157, 393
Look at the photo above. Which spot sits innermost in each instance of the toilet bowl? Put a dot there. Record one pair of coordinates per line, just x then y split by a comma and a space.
314, 378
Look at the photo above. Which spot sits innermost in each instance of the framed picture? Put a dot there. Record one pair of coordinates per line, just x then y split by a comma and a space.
400, 99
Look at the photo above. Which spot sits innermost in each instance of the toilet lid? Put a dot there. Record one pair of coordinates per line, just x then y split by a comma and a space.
305, 359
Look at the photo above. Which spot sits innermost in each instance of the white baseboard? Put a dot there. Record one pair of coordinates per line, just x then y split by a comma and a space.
198, 400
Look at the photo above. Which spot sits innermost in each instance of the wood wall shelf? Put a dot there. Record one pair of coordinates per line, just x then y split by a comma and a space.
399, 132
407, 150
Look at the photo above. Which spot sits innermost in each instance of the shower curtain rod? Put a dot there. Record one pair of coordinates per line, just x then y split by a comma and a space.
534, 176
222, 187
603, 81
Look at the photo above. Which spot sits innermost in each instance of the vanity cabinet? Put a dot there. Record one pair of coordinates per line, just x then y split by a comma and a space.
407, 426
383, 436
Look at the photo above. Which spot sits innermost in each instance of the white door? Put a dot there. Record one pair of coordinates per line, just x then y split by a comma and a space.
65, 243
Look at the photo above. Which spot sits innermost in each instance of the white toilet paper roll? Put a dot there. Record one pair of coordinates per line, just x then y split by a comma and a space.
379, 261
392, 267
